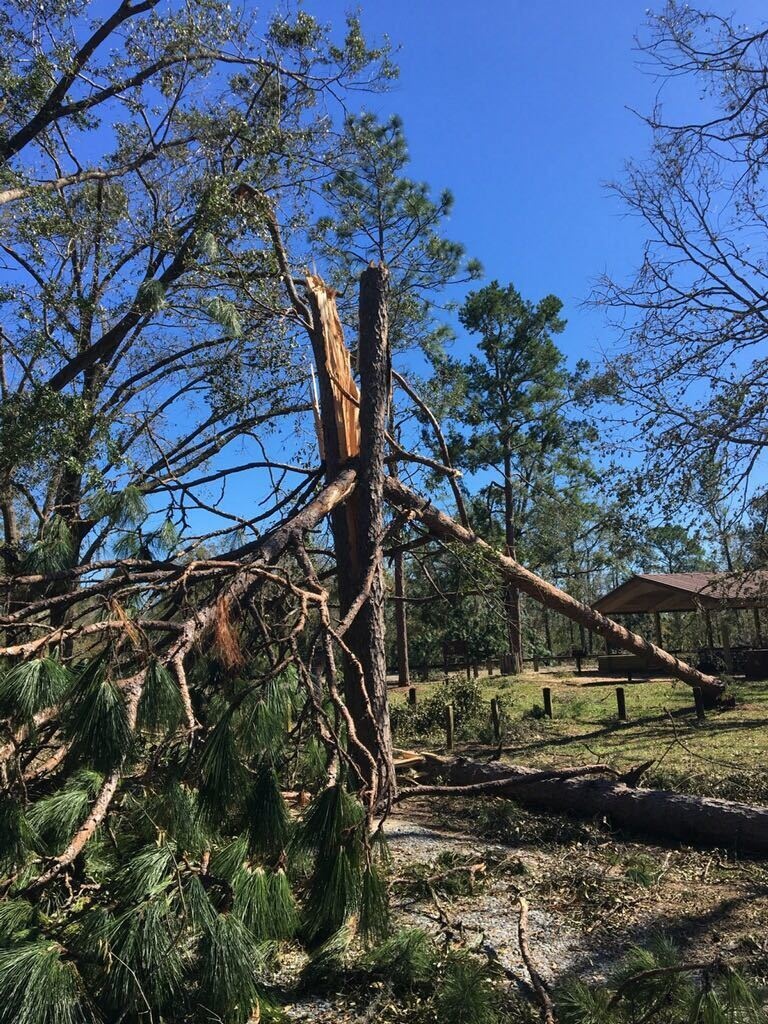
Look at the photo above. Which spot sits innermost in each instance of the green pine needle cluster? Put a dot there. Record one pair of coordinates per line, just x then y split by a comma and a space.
160, 706
653, 983
30, 687
175, 906
96, 720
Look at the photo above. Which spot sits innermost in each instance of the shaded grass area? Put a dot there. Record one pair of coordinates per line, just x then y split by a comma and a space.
727, 755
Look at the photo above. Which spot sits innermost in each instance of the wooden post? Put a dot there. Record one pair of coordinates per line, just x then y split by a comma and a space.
489, 667
475, 669
412, 696
547, 692
699, 701
496, 718
726, 638
449, 721
535, 663
756, 620
658, 632
621, 703
578, 663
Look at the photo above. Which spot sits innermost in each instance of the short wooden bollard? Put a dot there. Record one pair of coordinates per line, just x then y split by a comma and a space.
547, 701
412, 695
578, 663
535, 663
449, 726
621, 703
489, 667
496, 719
698, 698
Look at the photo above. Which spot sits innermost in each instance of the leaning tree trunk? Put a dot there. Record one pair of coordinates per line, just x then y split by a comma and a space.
529, 583
657, 812
358, 526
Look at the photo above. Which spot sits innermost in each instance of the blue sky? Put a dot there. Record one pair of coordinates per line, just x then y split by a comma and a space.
523, 109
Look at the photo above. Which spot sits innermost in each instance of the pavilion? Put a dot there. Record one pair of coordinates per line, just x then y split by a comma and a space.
709, 593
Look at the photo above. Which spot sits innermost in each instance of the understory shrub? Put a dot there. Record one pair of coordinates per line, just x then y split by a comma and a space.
428, 716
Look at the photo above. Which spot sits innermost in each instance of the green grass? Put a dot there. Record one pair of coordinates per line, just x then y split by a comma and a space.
727, 755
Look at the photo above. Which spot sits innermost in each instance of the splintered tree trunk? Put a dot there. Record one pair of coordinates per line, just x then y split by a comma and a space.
358, 526
529, 583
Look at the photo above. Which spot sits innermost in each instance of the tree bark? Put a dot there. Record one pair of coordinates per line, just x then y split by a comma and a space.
657, 812
401, 621
529, 583
512, 609
366, 695
547, 631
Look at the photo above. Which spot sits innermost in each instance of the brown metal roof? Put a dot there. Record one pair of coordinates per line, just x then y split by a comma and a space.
685, 591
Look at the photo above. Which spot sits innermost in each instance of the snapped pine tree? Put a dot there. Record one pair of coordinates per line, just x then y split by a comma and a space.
145, 775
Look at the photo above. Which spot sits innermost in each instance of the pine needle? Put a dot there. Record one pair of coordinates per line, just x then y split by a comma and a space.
222, 778
30, 687
229, 958
408, 959
161, 707
37, 986
268, 818
374, 906
96, 720
225, 639
16, 836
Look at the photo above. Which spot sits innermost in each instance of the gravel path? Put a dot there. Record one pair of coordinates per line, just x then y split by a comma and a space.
488, 918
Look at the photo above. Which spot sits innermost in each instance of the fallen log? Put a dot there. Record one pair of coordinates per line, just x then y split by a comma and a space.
660, 813
447, 529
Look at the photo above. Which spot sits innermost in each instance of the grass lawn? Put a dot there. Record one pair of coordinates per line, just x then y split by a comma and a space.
727, 755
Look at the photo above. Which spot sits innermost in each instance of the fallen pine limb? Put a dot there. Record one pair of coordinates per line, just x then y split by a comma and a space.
658, 813
545, 1002
499, 785
447, 529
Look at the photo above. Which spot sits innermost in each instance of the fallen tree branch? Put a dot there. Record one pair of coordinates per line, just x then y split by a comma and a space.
500, 785
708, 821
547, 1007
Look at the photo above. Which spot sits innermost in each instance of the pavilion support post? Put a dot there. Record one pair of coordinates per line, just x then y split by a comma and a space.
725, 637
658, 633
709, 629
757, 634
